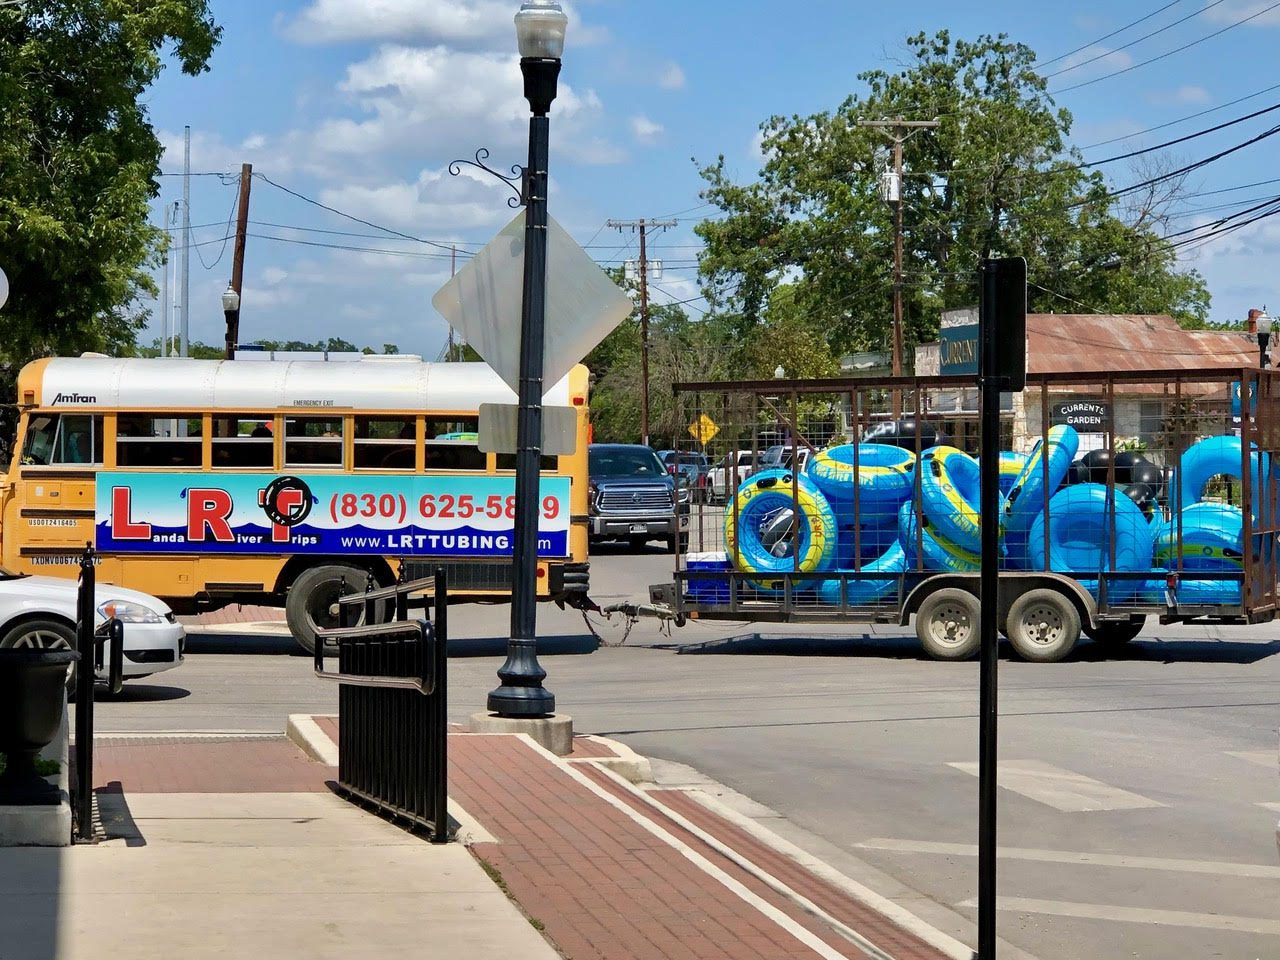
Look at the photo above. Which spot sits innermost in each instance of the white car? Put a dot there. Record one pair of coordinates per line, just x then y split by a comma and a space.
40, 612
729, 473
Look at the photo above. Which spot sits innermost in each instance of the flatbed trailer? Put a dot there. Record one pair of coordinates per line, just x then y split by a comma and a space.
1155, 415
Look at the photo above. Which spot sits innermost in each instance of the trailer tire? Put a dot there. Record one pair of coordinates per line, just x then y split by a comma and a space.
1113, 634
311, 597
1043, 626
947, 624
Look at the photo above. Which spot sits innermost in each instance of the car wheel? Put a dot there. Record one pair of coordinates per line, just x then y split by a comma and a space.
1044, 626
947, 625
42, 634
312, 603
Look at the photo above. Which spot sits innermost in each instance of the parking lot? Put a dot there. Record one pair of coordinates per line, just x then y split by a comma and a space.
1140, 798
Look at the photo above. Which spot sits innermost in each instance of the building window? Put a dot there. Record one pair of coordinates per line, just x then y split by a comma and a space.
243, 441
452, 445
156, 440
385, 443
313, 441
63, 439
1150, 420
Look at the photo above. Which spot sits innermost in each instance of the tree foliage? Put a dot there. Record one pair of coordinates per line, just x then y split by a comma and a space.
996, 178
79, 160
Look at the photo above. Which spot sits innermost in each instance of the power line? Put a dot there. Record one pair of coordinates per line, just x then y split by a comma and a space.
1108, 36
1189, 136
1170, 53
221, 253
1132, 43
1190, 116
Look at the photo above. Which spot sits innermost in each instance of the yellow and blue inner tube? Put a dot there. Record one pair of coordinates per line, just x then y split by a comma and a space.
763, 497
1082, 519
1028, 495
859, 591
1212, 538
882, 473
921, 542
1011, 465
949, 494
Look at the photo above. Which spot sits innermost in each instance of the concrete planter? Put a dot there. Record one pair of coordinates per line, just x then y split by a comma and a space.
32, 691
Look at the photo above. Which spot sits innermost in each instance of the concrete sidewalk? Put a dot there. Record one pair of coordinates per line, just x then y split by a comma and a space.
237, 848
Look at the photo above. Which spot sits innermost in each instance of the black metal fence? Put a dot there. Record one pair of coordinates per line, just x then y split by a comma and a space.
392, 702
99, 647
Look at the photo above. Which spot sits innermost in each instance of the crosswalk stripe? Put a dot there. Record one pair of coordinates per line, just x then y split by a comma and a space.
1061, 789
1263, 758
1271, 806
1168, 918
1219, 868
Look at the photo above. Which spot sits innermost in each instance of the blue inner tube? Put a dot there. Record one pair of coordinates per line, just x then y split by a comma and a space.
1210, 458
937, 553
1080, 526
882, 475
894, 560
766, 496
1011, 465
949, 494
1026, 498
1212, 539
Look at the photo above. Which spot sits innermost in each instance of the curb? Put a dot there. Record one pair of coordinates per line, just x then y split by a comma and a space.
303, 730
627, 764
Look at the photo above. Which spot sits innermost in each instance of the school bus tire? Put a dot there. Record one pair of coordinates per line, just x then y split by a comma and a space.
311, 598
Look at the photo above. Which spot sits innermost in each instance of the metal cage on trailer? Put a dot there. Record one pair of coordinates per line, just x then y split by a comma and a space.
1157, 416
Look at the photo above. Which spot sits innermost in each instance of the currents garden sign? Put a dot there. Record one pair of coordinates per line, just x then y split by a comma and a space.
1086, 416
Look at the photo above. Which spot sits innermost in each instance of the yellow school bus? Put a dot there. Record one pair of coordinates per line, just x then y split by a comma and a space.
210, 482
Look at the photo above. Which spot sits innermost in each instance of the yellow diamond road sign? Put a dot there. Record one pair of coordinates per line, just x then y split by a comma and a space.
703, 429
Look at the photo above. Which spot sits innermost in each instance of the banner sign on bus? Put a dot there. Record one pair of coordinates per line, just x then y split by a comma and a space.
433, 516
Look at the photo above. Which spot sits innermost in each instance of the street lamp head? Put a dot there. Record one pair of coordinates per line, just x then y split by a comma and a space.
778, 372
540, 26
1264, 324
230, 300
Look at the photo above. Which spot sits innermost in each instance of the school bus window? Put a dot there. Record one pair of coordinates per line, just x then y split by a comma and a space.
63, 439
313, 441
507, 461
243, 441
385, 443
155, 440
451, 445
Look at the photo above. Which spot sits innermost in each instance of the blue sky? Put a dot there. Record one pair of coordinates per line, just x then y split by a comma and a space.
361, 104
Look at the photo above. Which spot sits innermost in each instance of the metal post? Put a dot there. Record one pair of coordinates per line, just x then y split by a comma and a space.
522, 693
185, 328
84, 696
989, 473
440, 707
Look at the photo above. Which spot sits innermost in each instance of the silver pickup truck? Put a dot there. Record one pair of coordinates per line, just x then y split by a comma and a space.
633, 498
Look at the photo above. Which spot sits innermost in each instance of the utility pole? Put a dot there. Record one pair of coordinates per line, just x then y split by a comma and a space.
184, 329
166, 310
643, 226
900, 131
237, 262
453, 269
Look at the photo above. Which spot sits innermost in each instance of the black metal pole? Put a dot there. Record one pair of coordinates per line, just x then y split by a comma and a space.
988, 591
84, 696
1264, 340
522, 693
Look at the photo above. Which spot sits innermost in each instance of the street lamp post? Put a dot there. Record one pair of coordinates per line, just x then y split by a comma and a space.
540, 29
1264, 341
231, 310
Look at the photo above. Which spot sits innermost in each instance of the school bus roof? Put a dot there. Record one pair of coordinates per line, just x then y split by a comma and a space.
179, 383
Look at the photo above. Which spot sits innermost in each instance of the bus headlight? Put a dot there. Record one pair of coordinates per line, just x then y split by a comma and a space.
128, 611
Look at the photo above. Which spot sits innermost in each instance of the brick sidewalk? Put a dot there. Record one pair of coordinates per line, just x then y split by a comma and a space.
606, 870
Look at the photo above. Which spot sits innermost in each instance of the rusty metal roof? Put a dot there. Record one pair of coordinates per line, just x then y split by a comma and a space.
1072, 342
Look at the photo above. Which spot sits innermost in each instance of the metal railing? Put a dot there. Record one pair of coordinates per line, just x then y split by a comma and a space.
103, 646
392, 702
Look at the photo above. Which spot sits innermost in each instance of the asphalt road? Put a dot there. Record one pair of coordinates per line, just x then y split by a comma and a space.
1138, 818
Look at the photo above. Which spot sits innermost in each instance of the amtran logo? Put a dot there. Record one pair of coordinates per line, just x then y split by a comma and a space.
74, 398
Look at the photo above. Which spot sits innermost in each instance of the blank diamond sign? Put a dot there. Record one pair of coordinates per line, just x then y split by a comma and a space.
483, 303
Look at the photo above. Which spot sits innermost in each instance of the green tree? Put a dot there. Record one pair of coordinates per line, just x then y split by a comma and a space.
994, 179
79, 160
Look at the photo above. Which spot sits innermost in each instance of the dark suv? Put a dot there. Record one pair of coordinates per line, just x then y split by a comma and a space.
632, 497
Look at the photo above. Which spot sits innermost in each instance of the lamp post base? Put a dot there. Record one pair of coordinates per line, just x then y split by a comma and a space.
554, 733
522, 693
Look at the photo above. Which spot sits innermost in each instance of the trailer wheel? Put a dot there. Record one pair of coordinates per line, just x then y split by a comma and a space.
947, 625
1113, 634
1043, 626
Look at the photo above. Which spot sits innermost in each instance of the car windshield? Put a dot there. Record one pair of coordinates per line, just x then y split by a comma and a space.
623, 462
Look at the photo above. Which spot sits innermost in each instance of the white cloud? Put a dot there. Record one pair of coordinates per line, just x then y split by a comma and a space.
470, 24
455, 101
645, 130
1186, 95
1235, 10
434, 205
671, 77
